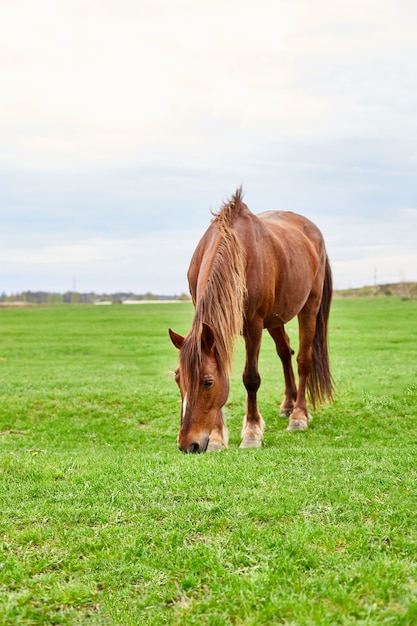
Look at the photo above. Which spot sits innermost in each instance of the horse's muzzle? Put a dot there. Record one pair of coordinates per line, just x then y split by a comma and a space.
196, 447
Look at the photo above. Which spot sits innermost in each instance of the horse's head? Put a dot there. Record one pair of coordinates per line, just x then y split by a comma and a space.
204, 390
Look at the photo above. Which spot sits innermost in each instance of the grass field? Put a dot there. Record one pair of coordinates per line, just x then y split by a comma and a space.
103, 521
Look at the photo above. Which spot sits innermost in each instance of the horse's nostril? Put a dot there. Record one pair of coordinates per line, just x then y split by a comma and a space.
194, 447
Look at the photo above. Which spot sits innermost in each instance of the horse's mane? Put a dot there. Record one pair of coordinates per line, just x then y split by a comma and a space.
221, 304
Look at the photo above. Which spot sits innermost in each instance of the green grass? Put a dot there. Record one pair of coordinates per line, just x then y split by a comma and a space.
103, 521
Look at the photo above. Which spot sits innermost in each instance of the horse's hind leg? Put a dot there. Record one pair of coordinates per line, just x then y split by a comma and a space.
300, 416
253, 424
282, 343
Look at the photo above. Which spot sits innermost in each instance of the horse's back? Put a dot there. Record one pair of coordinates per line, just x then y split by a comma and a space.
281, 223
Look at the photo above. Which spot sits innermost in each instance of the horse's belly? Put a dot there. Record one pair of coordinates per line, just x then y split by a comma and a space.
276, 319
284, 310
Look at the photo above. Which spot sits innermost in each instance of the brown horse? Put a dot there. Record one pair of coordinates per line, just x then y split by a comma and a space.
251, 272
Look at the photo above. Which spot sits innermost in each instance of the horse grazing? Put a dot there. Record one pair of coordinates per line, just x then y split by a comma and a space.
251, 272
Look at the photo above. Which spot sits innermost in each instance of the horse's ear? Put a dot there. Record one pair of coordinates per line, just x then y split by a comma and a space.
207, 338
177, 340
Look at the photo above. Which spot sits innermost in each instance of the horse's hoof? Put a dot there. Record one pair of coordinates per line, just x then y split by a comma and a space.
298, 420
284, 413
251, 442
295, 425
215, 446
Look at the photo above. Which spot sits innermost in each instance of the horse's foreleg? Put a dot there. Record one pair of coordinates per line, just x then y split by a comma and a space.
300, 416
219, 436
282, 343
253, 424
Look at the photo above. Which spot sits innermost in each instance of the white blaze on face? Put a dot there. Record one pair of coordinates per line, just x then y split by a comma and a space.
184, 406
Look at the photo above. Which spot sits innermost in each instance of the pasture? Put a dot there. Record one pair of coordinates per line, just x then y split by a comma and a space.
103, 521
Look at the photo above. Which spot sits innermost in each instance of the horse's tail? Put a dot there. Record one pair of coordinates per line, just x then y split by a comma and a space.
320, 382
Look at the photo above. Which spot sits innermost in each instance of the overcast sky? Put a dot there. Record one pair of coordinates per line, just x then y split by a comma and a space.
124, 122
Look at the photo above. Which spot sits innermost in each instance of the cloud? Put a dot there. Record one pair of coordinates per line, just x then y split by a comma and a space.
365, 249
124, 121
109, 82
153, 262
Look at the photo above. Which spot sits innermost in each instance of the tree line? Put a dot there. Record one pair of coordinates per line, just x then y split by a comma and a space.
74, 297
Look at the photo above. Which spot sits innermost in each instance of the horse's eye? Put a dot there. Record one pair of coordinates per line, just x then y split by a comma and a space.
208, 383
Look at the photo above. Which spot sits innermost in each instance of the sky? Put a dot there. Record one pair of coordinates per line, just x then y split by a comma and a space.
124, 123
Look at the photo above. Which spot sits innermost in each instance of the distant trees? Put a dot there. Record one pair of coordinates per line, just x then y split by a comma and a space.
38, 297
74, 297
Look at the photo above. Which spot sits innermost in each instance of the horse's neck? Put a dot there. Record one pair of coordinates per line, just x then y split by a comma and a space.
200, 272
